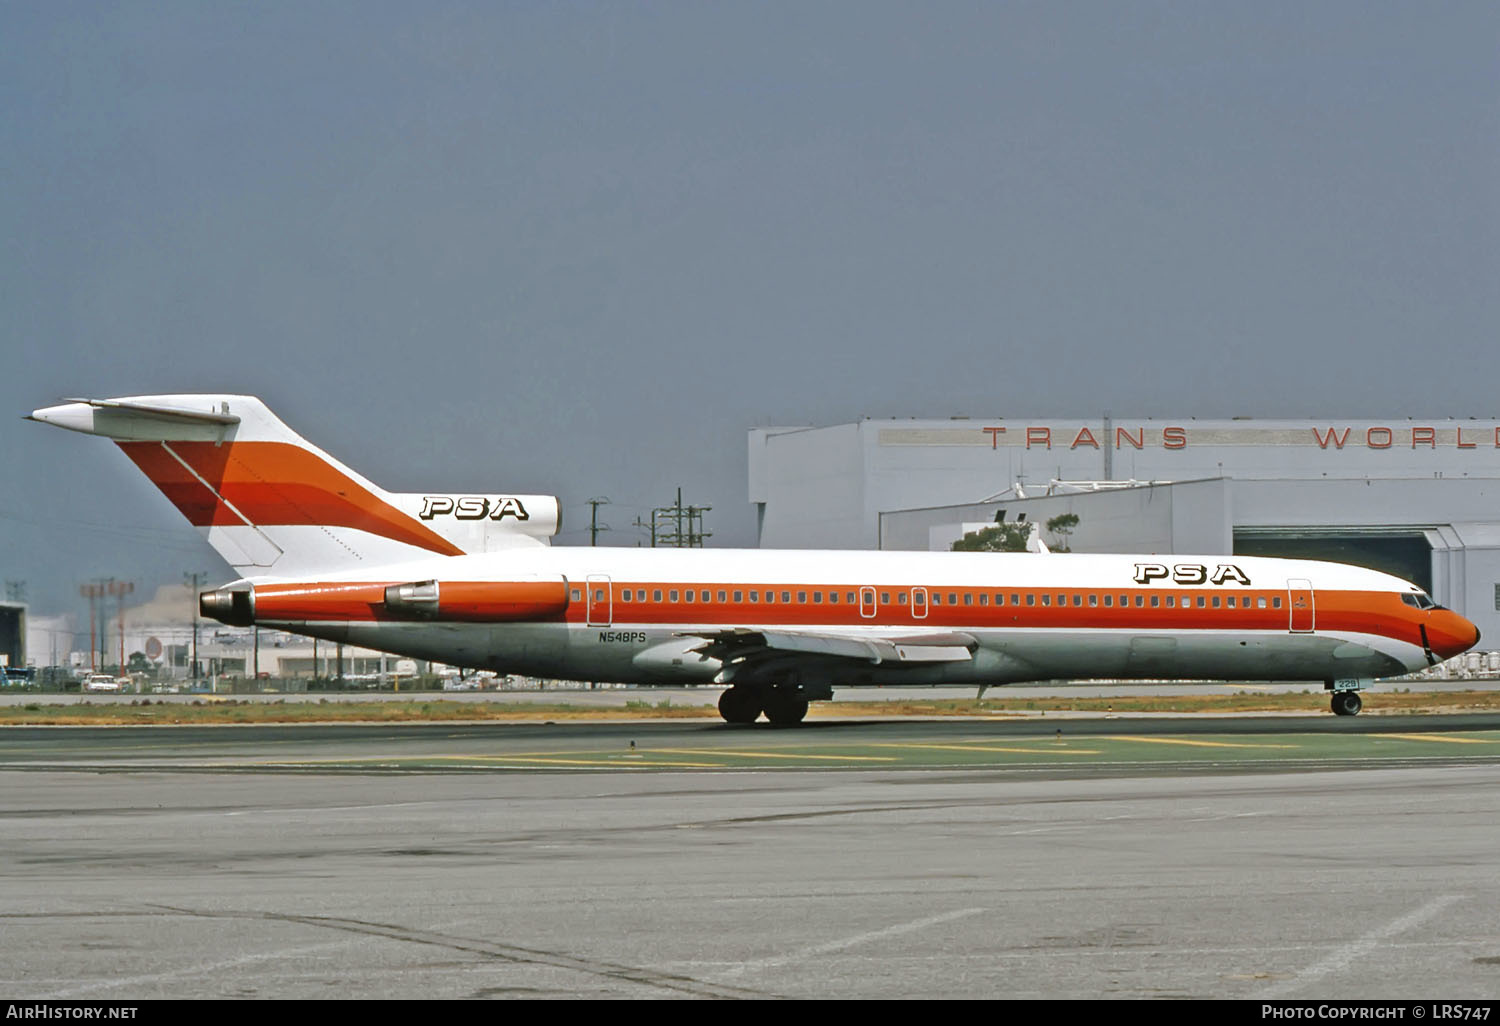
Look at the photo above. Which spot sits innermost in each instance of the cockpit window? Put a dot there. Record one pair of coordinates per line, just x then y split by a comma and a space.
1419, 600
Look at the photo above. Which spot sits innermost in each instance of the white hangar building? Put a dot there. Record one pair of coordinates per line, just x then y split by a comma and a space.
1417, 498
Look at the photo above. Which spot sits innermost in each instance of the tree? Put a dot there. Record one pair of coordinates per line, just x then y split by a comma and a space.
1000, 538
1062, 526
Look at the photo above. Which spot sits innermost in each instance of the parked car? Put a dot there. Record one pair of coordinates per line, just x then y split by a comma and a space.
102, 682
23, 677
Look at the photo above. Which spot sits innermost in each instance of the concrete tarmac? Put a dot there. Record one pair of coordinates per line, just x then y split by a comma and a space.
708, 695
142, 873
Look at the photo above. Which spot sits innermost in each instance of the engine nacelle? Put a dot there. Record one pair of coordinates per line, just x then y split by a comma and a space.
452, 601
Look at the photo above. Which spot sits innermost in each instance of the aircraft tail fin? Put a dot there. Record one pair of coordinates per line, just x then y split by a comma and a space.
272, 503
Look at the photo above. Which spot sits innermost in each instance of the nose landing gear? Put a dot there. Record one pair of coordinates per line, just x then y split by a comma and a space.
1346, 703
1345, 700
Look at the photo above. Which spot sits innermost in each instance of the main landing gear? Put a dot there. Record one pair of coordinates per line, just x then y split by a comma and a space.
1345, 700
783, 704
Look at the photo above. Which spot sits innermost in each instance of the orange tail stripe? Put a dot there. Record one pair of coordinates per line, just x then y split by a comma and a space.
273, 483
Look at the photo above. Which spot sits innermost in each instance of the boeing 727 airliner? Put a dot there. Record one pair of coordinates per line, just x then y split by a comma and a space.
472, 580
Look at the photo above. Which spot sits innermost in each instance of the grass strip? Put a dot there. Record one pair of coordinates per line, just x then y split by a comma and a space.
243, 711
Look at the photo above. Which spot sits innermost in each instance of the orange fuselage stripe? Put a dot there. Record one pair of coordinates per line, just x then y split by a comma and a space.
1357, 612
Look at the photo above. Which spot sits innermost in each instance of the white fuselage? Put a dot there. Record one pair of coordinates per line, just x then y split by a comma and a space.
1030, 616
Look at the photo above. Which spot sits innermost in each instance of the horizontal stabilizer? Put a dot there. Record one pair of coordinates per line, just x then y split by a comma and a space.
270, 502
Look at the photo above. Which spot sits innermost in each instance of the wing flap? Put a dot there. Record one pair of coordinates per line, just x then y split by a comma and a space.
872, 648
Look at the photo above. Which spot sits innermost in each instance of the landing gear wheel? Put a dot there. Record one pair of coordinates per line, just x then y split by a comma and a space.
1346, 703
784, 707
739, 705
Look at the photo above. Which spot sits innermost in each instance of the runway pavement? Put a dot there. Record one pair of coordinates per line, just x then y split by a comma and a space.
224, 862
620, 696
1361, 884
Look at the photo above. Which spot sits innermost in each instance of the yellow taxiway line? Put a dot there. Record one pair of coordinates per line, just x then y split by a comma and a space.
1195, 744
991, 748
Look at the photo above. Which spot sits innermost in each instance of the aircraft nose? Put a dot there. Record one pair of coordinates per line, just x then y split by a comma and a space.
1452, 634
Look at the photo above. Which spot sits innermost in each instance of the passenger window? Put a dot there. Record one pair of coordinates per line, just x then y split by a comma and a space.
1077, 599
1200, 601
1093, 600
1109, 601
1229, 602
984, 598
901, 598
1140, 600
1260, 603
833, 597
1216, 602
817, 598
739, 596
577, 595
1031, 600
722, 594
672, 595
801, 596
1155, 601
885, 598
786, 596
919, 599
952, 598
656, 595
968, 598
1171, 601
849, 597
1000, 599
770, 596
687, 596
937, 599
1276, 602
755, 596
1015, 599
1046, 600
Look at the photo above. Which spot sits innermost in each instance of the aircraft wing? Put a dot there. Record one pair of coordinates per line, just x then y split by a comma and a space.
742, 649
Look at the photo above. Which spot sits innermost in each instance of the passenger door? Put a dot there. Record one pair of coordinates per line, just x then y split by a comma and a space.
1303, 615
601, 600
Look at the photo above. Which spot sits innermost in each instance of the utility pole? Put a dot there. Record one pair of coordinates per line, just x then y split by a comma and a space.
194, 582
96, 591
690, 536
119, 589
594, 526
91, 592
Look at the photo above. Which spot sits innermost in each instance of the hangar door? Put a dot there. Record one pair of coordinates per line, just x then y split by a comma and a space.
1402, 552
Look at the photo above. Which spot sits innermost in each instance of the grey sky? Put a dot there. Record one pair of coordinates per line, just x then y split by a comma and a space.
581, 248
